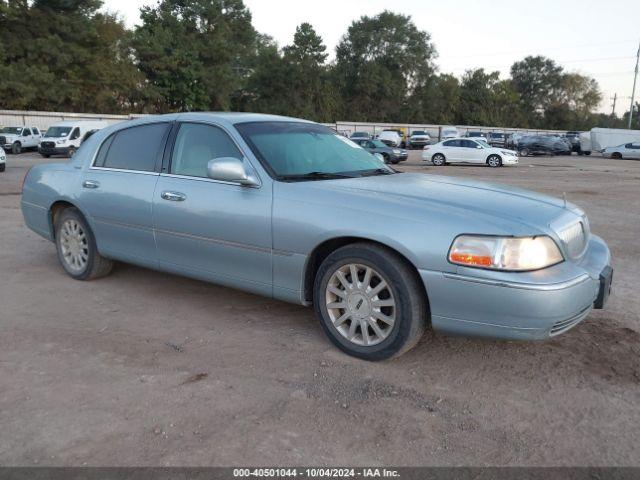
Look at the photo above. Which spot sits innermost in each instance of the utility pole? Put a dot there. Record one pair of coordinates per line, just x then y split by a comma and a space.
633, 91
613, 109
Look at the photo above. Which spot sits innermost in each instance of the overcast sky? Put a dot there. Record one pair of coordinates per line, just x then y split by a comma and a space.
595, 37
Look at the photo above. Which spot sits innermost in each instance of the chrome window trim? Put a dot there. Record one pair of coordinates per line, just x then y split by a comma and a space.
211, 180
123, 170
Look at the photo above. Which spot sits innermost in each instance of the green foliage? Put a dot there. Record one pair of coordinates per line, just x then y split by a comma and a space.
206, 55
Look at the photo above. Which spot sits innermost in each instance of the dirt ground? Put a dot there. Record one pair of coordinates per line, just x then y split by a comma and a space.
146, 368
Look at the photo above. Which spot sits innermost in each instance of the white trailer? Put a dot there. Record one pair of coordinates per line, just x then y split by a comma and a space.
602, 138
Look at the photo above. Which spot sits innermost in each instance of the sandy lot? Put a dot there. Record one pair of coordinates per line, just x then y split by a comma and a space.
146, 368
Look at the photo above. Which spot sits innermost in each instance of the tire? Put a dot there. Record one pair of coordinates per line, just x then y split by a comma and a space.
616, 155
16, 148
80, 243
395, 162
45, 155
587, 153
3, 167
405, 304
439, 160
494, 161
72, 152
386, 157
524, 152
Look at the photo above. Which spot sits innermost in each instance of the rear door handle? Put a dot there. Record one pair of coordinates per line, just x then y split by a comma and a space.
173, 196
90, 184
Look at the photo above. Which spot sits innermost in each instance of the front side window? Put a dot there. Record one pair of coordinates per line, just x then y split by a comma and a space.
75, 134
36, 131
26, 132
452, 143
296, 149
196, 144
135, 148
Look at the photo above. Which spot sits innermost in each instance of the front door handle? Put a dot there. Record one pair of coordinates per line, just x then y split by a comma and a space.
173, 196
90, 184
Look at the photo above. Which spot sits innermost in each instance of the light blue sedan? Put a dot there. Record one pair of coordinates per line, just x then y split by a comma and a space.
289, 209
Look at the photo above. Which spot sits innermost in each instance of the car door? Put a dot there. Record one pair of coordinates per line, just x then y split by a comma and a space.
453, 150
116, 192
632, 150
473, 152
26, 138
36, 136
214, 230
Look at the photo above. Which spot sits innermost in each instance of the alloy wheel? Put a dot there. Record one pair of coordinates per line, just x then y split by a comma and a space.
74, 245
360, 304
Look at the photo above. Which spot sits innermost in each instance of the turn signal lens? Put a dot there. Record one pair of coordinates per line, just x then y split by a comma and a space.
505, 253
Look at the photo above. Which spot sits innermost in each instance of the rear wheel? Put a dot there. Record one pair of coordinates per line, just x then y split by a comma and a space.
524, 152
494, 161
369, 302
438, 160
16, 148
76, 247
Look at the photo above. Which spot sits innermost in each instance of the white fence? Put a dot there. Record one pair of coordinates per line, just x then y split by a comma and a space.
43, 120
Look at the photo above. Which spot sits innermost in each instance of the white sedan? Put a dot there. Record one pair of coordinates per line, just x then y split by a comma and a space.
628, 150
466, 150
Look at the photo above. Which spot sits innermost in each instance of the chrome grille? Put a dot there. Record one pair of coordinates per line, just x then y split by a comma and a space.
48, 144
575, 238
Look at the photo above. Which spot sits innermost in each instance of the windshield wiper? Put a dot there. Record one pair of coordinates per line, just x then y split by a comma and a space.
378, 171
314, 176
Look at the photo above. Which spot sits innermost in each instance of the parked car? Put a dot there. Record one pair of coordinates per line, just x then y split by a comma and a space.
64, 138
17, 139
585, 143
388, 154
360, 135
574, 140
497, 139
477, 136
449, 132
628, 150
391, 138
291, 210
3, 160
418, 139
541, 145
466, 150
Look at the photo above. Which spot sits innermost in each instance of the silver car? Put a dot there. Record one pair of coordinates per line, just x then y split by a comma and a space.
626, 150
289, 209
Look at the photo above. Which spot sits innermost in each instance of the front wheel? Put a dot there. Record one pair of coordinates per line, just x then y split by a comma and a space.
76, 247
16, 148
369, 301
438, 160
3, 167
494, 161
72, 151
524, 152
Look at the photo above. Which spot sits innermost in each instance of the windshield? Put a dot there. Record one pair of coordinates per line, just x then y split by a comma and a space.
419, 132
12, 130
378, 144
475, 134
297, 149
57, 132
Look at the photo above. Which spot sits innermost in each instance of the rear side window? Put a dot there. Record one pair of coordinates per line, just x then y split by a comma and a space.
36, 131
452, 143
135, 148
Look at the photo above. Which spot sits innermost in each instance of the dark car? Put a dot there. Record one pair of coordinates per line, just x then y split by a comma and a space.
389, 154
360, 136
497, 139
542, 145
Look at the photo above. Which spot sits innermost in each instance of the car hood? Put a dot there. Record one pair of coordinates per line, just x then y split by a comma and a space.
9, 136
462, 198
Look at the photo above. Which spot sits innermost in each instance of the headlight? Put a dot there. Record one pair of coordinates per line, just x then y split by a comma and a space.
60, 142
508, 154
505, 253
397, 152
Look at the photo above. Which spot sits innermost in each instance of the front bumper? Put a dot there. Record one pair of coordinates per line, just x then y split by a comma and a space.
399, 158
509, 160
53, 150
517, 306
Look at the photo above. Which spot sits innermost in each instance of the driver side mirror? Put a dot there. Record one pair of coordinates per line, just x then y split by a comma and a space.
231, 169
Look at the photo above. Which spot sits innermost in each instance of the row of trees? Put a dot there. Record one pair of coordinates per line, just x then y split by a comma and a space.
206, 55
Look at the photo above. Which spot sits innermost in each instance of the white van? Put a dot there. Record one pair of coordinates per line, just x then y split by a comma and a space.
64, 138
